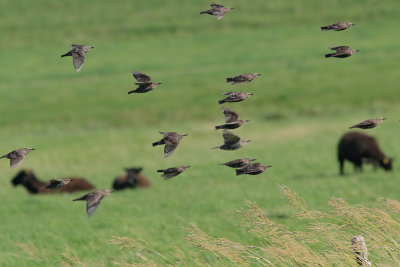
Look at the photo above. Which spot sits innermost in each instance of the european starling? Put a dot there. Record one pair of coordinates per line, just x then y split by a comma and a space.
238, 163
171, 141
172, 172
368, 124
144, 82
217, 11
231, 120
231, 141
78, 53
252, 169
234, 97
93, 200
17, 156
338, 26
57, 183
341, 52
242, 78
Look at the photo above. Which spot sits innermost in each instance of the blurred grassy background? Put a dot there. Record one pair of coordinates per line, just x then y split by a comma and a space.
85, 124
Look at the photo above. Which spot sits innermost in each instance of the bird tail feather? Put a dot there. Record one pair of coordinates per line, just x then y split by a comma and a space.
67, 54
160, 170
221, 101
204, 12
219, 127
230, 80
80, 198
326, 28
161, 142
133, 91
328, 55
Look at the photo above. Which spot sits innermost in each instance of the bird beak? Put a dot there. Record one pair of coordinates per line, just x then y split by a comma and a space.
188, 166
184, 134
383, 118
232, 8
353, 24
248, 141
259, 74
33, 149
159, 83
92, 46
251, 94
357, 50
247, 120
268, 166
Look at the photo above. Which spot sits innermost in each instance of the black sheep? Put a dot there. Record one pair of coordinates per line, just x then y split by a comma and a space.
358, 148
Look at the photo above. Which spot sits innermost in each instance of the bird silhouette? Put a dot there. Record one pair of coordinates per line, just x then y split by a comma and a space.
78, 53
16, 157
93, 200
171, 141
144, 82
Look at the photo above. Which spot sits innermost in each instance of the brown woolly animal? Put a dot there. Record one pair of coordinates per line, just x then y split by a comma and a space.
28, 179
131, 179
358, 148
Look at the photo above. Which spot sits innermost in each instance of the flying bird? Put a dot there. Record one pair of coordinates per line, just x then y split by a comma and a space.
252, 169
172, 172
338, 26
231, 120
218, 11
171, 141
234, 97
78, 53
16, 157
231, 141
93, 200
341, 52
242, 78
238, 163
57, 183
368, 124
144, 82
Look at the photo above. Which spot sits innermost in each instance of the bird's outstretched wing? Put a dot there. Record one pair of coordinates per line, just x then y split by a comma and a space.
169, 148
230, 115
230, 138
339, 47
365, 123
92, 202
78, 59
141, 77
215, 5
16, 161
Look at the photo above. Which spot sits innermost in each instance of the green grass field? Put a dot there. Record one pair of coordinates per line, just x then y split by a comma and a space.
85, 124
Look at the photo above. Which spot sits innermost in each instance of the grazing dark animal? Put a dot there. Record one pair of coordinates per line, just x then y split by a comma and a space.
132, 179
358, 148
28, 179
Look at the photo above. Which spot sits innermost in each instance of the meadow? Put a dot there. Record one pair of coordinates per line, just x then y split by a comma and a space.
85, 124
